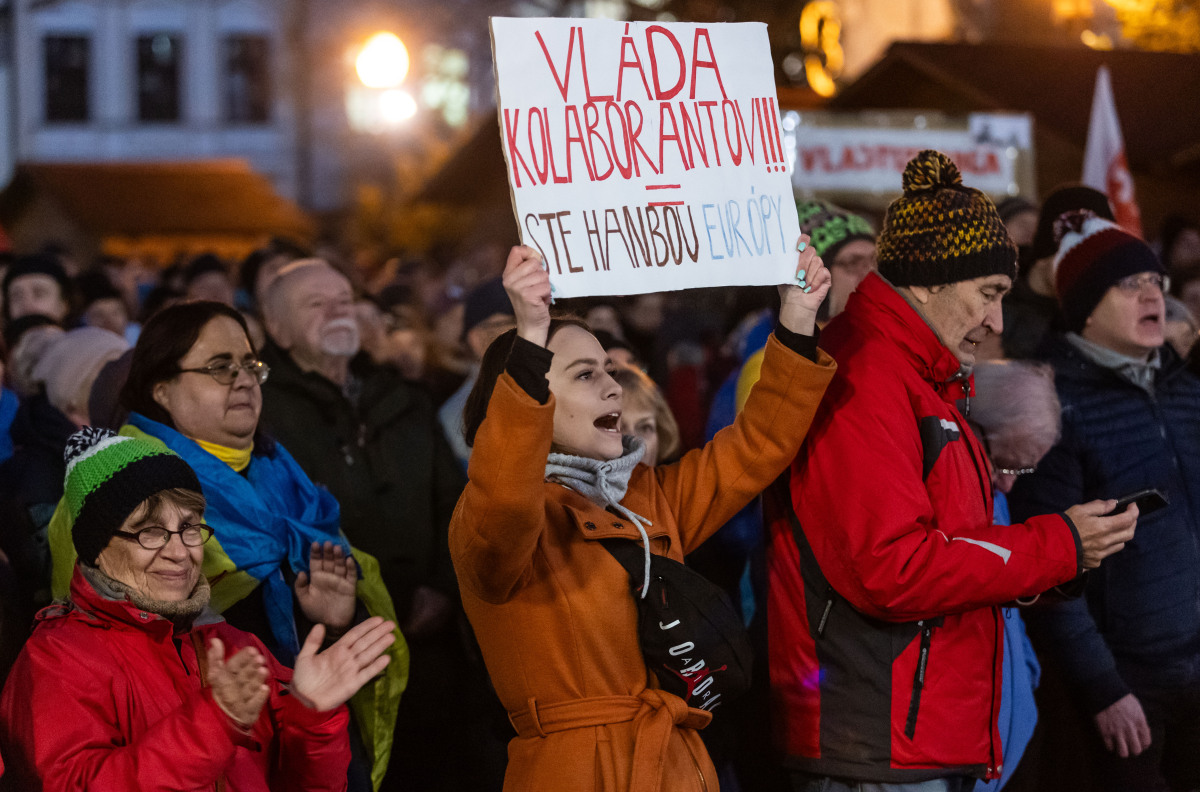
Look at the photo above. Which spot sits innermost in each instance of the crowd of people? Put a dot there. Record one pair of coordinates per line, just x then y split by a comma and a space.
310, 520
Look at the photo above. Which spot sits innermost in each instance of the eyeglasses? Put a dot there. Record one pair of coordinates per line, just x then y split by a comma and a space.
156, 536
1015, 471
1132, 284
1003, 471
227, 373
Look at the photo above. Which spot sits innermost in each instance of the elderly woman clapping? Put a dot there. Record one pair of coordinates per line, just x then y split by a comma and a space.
133, 683
279, 559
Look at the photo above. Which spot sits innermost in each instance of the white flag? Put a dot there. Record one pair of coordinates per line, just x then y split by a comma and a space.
1104, 165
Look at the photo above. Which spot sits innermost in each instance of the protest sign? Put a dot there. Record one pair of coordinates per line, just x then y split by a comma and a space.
645, 157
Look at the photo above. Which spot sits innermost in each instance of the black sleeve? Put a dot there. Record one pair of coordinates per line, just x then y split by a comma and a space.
800, 344
528, 364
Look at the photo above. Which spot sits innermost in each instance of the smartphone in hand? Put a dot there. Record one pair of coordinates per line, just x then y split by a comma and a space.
1147, 500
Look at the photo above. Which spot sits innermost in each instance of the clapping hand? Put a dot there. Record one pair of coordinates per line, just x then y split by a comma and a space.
239, 685
328, 679
528, 285
800, 301
326, 592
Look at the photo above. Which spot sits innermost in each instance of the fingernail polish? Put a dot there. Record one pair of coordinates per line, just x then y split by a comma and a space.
802, 284
807, 289
800, 246
800, 275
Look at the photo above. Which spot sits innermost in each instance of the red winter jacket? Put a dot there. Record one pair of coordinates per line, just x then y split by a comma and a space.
104, 698
885, 638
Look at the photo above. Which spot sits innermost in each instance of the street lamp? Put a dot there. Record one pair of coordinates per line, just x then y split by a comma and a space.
376, 103
383, 61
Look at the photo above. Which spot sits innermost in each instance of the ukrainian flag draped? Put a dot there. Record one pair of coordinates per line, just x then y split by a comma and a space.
263, 520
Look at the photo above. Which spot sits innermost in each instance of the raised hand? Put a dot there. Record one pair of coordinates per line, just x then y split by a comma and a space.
328, 679
326, 591
239, 685
528, 285
800, 300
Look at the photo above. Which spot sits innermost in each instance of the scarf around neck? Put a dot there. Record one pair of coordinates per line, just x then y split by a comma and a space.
265, 521
181, 613
604, 483
1136, 371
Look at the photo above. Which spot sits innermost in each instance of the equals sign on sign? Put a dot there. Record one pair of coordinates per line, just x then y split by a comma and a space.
663, 187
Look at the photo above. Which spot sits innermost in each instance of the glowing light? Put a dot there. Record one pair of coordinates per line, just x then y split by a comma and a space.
383, 61
1096, 42
396, 106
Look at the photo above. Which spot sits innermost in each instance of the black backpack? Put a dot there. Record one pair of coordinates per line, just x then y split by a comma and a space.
691, 635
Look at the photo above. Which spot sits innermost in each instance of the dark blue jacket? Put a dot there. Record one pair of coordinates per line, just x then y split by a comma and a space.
1139, 621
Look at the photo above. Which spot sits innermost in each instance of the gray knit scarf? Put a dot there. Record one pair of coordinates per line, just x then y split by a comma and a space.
604, 482
181, 613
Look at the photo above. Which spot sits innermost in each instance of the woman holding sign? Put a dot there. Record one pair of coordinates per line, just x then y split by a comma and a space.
555, 493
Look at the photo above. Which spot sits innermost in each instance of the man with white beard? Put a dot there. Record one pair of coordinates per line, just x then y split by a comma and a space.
373, 440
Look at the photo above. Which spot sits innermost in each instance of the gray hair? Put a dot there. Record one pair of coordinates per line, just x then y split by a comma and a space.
275, 296
1016, 396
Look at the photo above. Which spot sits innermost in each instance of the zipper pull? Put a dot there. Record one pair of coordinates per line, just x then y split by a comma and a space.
926, 640
825, 615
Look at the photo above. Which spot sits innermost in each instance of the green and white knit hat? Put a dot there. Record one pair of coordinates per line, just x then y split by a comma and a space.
830, 227
108, 477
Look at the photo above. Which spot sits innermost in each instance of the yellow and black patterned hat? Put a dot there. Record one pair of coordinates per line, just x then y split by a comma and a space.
941, 231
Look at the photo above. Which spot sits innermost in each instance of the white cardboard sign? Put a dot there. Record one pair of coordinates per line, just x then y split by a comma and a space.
645, 157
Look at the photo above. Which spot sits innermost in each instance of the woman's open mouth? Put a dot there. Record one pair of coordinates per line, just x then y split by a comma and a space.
609, 422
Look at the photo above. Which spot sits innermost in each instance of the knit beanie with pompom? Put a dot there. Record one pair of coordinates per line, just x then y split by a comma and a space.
1093, 254
941, 231
108, 477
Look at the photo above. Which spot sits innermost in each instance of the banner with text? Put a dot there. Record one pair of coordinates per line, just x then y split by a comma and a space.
859, 157
645, 157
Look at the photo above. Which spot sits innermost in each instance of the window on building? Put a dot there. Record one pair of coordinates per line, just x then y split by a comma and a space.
247, 84
67, 78
159, 66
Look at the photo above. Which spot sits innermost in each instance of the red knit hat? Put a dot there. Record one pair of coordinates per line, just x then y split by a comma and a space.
1093, 254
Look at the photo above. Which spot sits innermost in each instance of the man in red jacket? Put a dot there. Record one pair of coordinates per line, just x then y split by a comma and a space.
885, 568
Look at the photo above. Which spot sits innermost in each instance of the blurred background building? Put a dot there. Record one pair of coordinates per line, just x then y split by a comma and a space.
377, 118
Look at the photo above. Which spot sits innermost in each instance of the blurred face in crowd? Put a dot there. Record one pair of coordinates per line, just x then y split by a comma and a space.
36, 293
266, 276
848, 268
964, 313
212, 285
587, 412
168, 574
481, 336
1186, 249
1022, 227
1130, 318
314, 318
638, 419
1190, 294
108, 313
201, 407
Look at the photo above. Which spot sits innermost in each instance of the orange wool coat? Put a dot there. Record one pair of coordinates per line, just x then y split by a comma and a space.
552, 609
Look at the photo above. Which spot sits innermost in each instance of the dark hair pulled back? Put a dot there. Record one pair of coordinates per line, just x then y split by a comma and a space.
166, 338
490, 368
